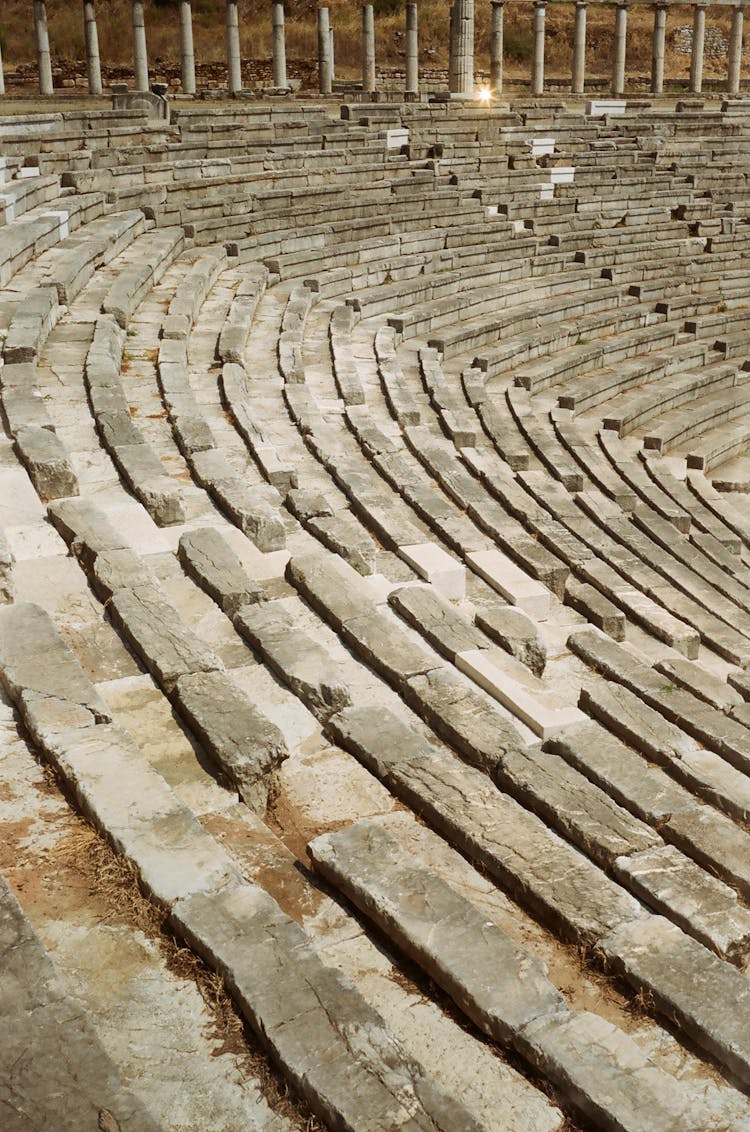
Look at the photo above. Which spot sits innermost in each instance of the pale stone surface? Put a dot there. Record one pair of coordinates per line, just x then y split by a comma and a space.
516, 632
245, 745
333, 1046
511, 582
54, 1070
433, 564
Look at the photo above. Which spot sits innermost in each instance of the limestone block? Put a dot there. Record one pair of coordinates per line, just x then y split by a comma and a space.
519, 691
511, 582
207, 556
154, 629
436, 566
243, 743
47, 463
514, 630
300, 661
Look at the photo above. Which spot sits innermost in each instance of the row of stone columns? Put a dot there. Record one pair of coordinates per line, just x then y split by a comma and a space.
620, 44
461, 67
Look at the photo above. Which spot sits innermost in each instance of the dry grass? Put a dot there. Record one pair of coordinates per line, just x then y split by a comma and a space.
114, 880
66, 34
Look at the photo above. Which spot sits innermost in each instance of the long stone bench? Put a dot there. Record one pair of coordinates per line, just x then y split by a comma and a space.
50, 1050
137, 462
455, 944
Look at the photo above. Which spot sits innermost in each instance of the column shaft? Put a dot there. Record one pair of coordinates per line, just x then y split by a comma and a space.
462, 47
696, 55
332, 53
279, 46
140, 54
325, 78
537, 61
368, 48
187, 51
735, 51
412, 49
579, 49
618, 57
2, 74
496, 47
42, 47
93, 66
657, 49
234, 54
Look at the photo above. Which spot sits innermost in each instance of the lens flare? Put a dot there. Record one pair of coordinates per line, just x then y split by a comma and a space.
484, 94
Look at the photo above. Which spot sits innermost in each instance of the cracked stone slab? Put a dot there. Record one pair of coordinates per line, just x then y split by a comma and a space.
85, 528
463, 715
514, 631
333, 1046
573, 806
447, 630
300, 661
132, 805
45, 459
42, 676
245, 745
696, 901
54, 1072
209, 558
159, 636
553, 880
497, 983
501, 986
708, 998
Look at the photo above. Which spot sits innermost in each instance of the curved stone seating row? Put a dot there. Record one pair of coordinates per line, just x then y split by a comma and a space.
227, 920
39, 448
28, 191
545, 825
136, 280
136, 461
27, 238
540, 1027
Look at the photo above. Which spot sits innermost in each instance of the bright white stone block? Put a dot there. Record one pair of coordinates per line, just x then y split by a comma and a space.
519, 691
541, 147
547, 192
28, 171
63, 218
3, 170
437, 567
598, 107
511, 582
562, 175
9, 207
394, 139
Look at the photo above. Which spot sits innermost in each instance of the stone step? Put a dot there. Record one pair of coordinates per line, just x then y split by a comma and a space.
501, 987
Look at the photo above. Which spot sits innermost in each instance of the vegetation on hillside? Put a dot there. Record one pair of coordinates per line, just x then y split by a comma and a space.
67, 43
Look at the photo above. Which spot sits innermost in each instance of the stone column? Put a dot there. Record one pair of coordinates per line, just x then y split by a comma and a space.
234, 54
412, 49
618, 55
462, 48
324, 52
140, 55
279, 45
368, 48
496, 47
537, 61
332, 53
657, 49
735, 50
187, 51
579, 49
91, 38
2, 74
42, 47
696, 55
